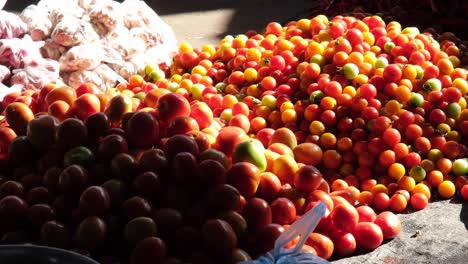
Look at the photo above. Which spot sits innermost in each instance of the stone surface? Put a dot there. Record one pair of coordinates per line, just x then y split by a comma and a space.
437, 234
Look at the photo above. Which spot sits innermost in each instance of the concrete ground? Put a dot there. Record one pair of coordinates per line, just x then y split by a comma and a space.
438, 234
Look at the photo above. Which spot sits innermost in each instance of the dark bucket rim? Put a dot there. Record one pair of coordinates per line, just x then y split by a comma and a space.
58, 252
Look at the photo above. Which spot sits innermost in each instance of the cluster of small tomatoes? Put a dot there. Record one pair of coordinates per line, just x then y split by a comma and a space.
380, 110
386, 105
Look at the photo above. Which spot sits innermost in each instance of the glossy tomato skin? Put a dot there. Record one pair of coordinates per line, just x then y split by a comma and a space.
86, 105
257, 213
228, 138
368, 236
269, 186
171, 106
366, 213
322, 244
6, 137
245, 177
202, 113
344, 244
308, 178
18, 116
266, 237
389, 223
143, 130
283, 211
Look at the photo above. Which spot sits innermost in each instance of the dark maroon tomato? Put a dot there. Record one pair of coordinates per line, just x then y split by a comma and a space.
72, 132
94, 201
21, 152
100, 173
154, 160
211, 173
51, 179
236, 256
19, 172
90, 233
219, 237
110, 146
116, 131
41, 131
197, 214
172, 260
187, 239
73, 180
97, 125
124, 166
148, 251
175, 197
167, 220
11, 188
3, 179
31, 180
15, 237
201, 257
38, 214
52, 158
181, 143
266, 237
236, 221
138, 229
55, 234
223, 197
38, 195
185, 170
63, 207
136, 207
147, 184
142, 130
12, 208
125, 118
117, 190
257, 213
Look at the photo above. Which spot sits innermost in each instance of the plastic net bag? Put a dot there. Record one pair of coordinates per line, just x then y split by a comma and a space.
103, 76
302, 227
71, 31
36, 74
11, 26
4, 90
58, 10
105, 16
127, 46
14, 52
82, 57
52, 50
38, 22
153, 29
4, 73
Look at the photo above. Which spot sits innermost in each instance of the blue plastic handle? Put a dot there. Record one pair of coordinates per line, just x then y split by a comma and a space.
302, 228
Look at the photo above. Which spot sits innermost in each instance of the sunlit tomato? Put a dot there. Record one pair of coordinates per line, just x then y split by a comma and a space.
86, 105
6, 136
322, 244
389, 224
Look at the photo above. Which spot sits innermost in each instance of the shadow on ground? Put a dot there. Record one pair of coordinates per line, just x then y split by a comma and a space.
248, 14
464, 214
